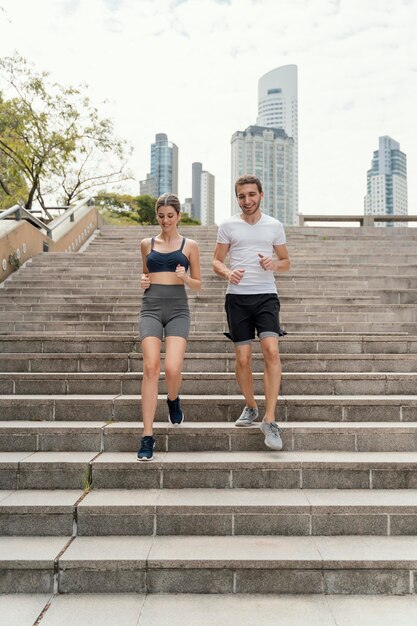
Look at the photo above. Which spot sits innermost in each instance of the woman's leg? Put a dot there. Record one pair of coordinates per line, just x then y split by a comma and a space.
151, 351
174, 358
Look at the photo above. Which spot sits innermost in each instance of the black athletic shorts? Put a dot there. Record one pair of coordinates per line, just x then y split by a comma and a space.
249, 312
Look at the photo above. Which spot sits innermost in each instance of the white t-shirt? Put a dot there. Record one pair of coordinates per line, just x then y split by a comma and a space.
246, 241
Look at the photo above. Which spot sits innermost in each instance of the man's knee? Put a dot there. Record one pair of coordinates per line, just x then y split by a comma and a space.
270, 351
244, 356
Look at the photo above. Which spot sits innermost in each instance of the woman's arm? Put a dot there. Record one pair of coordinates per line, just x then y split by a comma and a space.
145, 281
193, 279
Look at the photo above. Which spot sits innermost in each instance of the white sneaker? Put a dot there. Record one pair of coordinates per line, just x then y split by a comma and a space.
247, 417
271, 430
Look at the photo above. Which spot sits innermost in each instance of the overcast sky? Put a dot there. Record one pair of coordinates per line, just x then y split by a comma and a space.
190, 68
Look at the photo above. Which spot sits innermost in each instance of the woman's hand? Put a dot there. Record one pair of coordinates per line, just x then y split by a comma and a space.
145, 281
181, 273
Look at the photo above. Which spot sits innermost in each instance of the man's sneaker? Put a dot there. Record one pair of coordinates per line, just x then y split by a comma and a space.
175, 415
271, 430
145, 452
247, 417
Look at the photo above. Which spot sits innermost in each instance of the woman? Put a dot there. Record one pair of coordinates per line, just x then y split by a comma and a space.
166, 261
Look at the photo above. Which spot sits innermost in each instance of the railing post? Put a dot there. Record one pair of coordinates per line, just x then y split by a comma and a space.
368, 221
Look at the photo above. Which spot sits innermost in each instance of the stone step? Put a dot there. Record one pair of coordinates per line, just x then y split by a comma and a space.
201, 564
209, 382
214, 408
213, 319
303, 343
101, 436
232, 512
88, 328
218, 470
238, 608
36, 362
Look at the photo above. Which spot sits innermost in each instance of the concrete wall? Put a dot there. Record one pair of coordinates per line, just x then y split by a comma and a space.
24, 240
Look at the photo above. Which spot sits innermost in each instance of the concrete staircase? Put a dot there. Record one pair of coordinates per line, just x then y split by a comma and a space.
215, 512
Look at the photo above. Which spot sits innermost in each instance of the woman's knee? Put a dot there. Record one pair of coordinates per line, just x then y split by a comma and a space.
173, 369
151, 369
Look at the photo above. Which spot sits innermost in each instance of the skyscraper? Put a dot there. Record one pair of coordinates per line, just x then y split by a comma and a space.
278, 108
268, 153
387, 182
202, 194
273, 156
163, 177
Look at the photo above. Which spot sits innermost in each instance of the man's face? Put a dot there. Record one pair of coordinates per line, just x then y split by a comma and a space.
249, 198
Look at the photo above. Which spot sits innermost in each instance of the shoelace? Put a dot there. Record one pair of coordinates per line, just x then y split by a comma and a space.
275, 428
147, 444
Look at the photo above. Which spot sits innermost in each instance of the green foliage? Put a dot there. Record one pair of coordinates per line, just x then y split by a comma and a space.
53, 136
186, 219
146, 209
125, 209
13, 187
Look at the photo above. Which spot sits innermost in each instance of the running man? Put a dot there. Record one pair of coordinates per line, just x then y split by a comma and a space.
256, 245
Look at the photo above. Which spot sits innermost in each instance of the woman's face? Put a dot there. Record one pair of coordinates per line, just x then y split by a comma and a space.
167, 217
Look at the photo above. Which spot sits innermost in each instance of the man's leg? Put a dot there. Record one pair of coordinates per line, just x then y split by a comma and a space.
245, 381
272, 379
272, 375
243, 370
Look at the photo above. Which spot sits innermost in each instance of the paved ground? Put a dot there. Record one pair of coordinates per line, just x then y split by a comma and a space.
208, 610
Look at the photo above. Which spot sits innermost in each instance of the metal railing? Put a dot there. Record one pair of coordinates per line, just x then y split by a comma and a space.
19, 212
364, 220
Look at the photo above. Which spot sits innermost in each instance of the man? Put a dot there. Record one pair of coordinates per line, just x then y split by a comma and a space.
256, 246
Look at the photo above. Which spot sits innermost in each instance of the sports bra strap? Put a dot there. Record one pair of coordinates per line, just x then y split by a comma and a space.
182, 245
152, 242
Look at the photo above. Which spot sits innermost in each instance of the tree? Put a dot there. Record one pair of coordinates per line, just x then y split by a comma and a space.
186, 219
53, 135
146, 209
12, 184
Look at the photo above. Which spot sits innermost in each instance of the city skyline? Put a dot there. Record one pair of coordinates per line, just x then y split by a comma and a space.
278, 108
191, 70
387, 181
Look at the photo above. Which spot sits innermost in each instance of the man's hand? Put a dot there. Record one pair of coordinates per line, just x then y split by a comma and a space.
265, 262
145, 281
235, 276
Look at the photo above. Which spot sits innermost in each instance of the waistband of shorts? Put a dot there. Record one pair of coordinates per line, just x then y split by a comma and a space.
165, 291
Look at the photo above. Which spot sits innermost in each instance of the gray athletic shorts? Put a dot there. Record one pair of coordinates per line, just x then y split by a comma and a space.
164, 312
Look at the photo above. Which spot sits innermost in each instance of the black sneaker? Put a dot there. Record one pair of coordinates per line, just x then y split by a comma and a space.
145, 452
175, 416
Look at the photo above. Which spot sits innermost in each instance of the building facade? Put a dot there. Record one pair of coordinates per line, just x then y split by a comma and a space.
203, 191
268, 153
163, 177
278, 108
387, 182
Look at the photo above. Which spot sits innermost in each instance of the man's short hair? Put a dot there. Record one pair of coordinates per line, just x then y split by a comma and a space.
248, 179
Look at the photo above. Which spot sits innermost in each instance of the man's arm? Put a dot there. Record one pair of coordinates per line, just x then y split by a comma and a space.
220, 268
282, 264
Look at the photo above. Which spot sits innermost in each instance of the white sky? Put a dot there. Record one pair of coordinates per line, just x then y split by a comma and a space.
190, 68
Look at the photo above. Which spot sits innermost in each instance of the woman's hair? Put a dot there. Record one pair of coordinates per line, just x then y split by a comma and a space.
168, 199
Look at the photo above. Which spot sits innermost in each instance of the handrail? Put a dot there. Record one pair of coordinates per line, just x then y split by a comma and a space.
364, 220
20, 212
69, 214
14, 209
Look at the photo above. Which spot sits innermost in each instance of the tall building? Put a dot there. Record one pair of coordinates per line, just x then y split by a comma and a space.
268, 153
387, 182
278, 108
197, 168
163, 176
202, 194
207, 198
